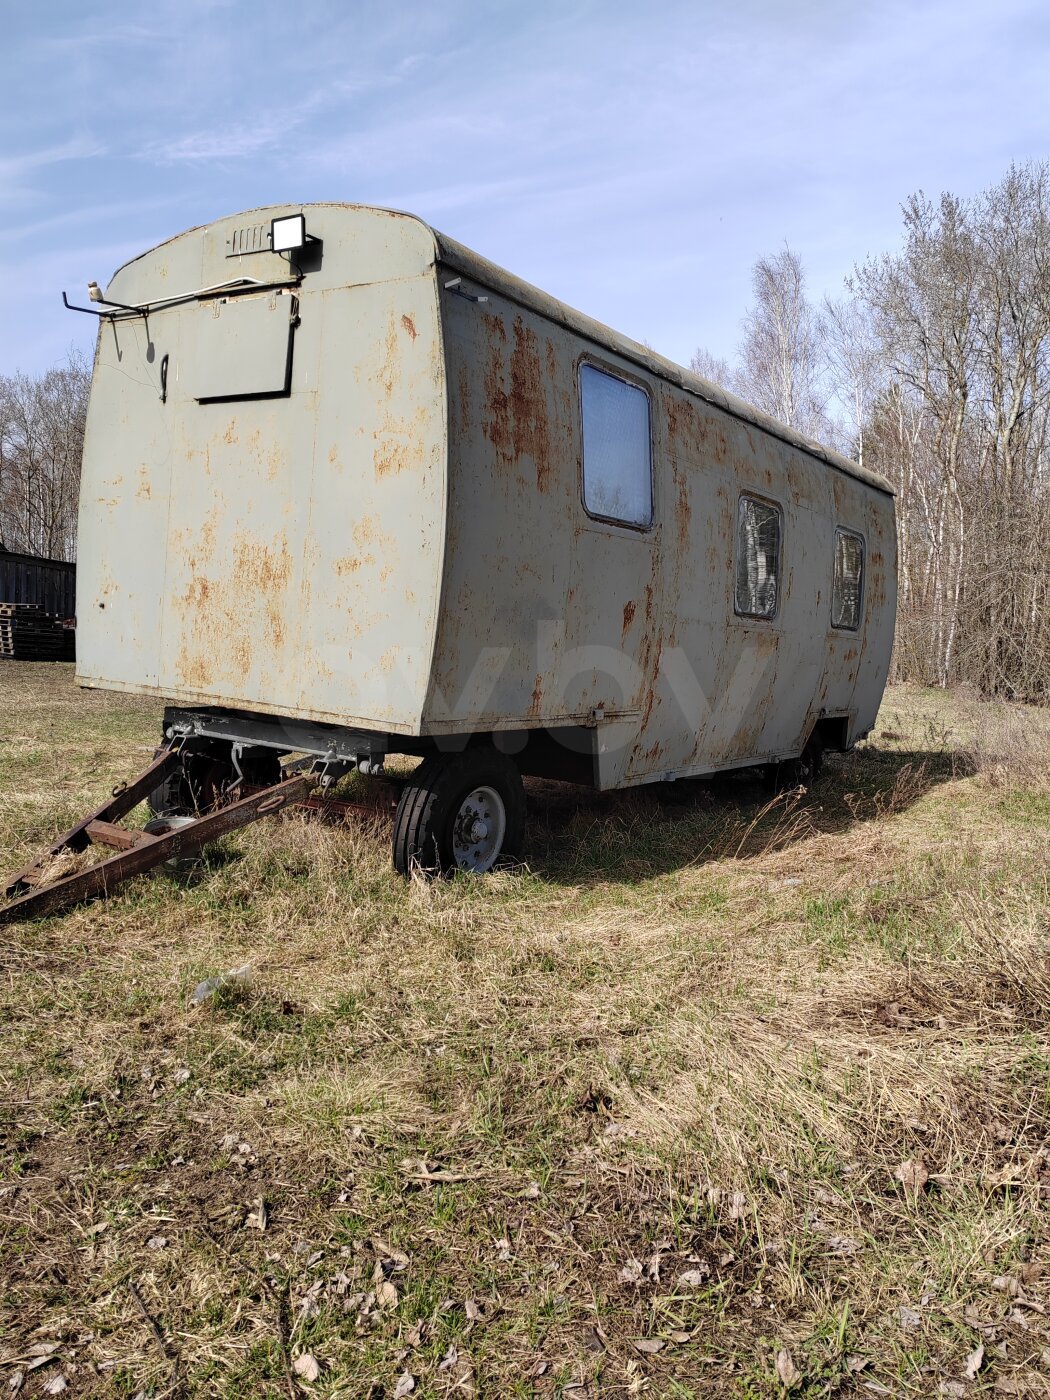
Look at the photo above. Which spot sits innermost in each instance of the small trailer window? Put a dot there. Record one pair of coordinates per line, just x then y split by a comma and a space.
849, 580
617, 448
757, 558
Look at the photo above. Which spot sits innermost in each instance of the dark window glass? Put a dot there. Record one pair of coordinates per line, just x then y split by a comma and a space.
757, 558
849, 580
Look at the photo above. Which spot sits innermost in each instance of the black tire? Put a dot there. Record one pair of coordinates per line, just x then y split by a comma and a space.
426, 836
801, 772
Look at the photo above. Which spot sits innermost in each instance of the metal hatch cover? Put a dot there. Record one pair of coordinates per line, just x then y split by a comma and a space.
242, 347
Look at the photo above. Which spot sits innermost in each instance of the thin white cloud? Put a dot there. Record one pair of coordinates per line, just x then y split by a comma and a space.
76, 148
220, 143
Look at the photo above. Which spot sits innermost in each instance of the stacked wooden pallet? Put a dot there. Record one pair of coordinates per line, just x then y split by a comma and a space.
27, 633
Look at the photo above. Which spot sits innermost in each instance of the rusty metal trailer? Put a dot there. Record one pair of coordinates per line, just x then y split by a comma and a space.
351, 490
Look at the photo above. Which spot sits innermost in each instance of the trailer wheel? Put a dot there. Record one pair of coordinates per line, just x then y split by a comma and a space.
460, 812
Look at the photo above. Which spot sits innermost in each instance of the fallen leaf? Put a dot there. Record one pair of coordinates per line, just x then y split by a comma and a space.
843, 1244
912, 1175
973, 1362
449, 1359
386, 1295
681, 1337
405, 1386
395, 1258
55, 1385
693, 1278
737, 1205
307, 1366
788, 1372
909, 1317
631, 1271
472, 1310
156, 1242
648, 1345
954, 1390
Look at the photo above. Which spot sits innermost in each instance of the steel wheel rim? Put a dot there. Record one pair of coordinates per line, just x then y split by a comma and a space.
478, 830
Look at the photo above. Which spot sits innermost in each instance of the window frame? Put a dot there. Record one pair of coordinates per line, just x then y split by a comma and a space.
613, 372
773, 505
857, 535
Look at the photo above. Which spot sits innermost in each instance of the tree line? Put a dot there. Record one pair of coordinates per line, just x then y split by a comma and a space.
41, 443
933, 368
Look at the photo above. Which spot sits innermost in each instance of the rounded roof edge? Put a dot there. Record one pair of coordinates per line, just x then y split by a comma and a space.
277, 209
490, 274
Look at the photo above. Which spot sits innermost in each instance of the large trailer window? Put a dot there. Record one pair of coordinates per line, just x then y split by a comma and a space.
617, 448
847, 589
757, 558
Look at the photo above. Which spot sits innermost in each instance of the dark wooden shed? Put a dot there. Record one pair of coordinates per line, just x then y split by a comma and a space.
50, 584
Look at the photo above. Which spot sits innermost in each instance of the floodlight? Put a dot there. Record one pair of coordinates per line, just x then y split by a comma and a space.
288, 233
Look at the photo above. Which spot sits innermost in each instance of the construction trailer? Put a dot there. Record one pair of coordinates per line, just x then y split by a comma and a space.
350, 490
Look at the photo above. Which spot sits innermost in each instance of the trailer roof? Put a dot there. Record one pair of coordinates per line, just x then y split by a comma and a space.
489, 274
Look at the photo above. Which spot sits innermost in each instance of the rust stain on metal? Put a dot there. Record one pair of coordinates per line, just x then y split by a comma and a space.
684, 514
517, 423
390, 457
536, 703
350, 563
652, 697
259, 566
409, 325
628, 617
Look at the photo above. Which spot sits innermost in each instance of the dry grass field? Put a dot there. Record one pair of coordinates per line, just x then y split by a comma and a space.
708, 1100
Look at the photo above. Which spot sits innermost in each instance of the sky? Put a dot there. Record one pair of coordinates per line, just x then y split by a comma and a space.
632, 159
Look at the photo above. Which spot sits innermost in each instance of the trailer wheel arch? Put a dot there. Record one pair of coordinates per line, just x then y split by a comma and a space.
802, 771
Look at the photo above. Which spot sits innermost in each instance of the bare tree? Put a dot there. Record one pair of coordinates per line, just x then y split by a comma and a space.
854, 365
781, 365
713, 368
41, 443
963, 427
